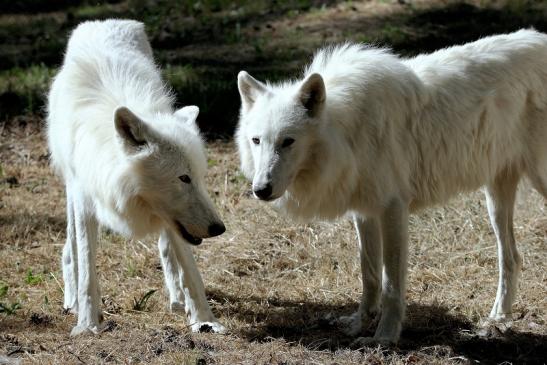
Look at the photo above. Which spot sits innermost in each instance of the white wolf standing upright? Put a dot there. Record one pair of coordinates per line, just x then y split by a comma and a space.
368, 133
129, 161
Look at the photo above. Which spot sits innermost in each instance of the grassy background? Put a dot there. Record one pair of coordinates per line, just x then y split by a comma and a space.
271, 281
203, 44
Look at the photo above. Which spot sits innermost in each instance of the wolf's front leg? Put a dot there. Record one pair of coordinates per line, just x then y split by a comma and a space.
89, 311
394, 228
197, 309
171, 270
70, 259
370, 249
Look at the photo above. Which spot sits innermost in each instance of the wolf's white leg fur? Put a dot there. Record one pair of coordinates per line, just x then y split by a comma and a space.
394, 226
69, 261
370, 248
197, 309
500, 200
171, 269
89, 311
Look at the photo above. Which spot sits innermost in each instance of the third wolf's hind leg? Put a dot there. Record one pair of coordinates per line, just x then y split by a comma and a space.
500, 200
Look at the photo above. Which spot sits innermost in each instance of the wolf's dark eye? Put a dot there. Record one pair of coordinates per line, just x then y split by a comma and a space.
287, 142
185, 179
256, 140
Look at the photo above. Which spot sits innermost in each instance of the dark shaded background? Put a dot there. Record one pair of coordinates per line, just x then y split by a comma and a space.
201, 45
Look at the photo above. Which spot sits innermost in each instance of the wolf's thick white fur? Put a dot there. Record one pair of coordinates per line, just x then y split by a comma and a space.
120, 147
368, 133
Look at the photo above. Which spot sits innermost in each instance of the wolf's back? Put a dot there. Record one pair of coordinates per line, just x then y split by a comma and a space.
98, 36
107, 64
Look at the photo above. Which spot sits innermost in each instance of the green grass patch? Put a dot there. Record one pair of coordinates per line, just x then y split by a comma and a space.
24, 80
131, 270
393, 34
24, 89
9, 308
33, 279
97, 11
179, 77
3, 289
140, 304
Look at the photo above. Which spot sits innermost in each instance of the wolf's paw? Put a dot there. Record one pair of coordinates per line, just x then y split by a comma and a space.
213, 327
87, 329
374, 341
351, 325
70, 304
71, 310
497, 316
494, 328
177, 307
356, 323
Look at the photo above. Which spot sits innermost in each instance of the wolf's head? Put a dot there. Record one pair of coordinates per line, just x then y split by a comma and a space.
167, 164
277, 130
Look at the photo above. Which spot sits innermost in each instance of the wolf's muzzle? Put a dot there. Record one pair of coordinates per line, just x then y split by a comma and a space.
216, 229
264, 192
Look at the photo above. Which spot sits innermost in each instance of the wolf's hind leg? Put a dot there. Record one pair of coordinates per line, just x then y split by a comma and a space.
370, 250
70, 258
500, 200
171, 269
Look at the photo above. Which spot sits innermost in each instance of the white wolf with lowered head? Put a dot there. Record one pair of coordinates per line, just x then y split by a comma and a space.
130, 162
368, 133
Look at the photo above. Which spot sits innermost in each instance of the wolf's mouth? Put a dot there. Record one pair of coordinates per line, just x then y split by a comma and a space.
187, 236
268, 199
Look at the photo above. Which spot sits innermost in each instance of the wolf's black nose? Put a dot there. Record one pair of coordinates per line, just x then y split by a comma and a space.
264, 193
216, 229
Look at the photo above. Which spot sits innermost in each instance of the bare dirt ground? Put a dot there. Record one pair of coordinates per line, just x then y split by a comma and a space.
271, 281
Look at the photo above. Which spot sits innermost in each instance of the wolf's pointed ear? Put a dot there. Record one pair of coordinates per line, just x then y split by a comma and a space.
131, 129
312, 94
249, 89
188, 114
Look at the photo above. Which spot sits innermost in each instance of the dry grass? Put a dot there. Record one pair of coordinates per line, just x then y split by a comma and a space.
271, 281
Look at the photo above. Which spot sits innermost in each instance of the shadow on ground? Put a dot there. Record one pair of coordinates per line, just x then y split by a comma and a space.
428, 328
